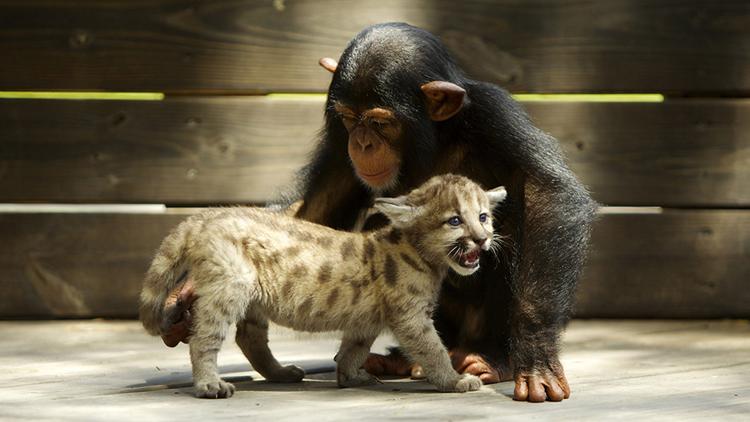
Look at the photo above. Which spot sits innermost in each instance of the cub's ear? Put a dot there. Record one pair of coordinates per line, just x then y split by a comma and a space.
444, 99
328, 64
397, 210
496, 195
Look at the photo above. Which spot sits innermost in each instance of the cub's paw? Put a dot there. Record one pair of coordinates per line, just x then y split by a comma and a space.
362, 379
464, 383
468, 383
289, 373
219, 389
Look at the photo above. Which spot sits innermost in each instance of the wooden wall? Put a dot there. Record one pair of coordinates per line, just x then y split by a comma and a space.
215, 139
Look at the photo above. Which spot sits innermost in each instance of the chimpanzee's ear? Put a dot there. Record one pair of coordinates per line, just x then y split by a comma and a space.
496, 195
444, 99
328, 64
397, 210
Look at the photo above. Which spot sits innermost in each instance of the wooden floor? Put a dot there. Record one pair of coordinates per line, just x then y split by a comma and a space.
634, 370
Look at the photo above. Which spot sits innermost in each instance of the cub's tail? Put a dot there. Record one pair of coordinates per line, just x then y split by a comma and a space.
166, 271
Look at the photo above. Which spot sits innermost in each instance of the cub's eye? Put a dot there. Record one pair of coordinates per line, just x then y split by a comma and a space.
454, 221
483, 217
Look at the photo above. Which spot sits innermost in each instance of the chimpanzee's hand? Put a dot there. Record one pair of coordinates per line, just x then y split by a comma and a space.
537, 384
177, 321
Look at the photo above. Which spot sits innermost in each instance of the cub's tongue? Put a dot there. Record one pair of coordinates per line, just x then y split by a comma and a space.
471, 258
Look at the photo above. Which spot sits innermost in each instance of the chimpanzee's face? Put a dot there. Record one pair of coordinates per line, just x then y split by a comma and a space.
374, 144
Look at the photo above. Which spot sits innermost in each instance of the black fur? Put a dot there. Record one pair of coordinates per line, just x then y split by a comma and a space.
524, 294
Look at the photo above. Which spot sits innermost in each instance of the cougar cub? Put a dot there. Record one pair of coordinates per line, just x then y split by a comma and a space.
251, 265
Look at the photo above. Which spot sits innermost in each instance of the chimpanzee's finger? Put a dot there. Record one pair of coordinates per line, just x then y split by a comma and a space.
521, 392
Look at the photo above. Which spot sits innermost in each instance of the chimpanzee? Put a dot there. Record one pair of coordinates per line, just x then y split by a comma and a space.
399, 111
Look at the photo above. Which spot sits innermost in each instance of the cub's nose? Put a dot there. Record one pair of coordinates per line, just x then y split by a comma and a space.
481, 242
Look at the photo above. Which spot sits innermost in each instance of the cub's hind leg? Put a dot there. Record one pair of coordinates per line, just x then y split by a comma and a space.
355, 347
209, 331
224, 284
252, 337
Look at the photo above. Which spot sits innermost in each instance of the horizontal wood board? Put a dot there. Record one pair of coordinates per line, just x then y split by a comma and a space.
690, 264
697, 47
226, 150
681, 153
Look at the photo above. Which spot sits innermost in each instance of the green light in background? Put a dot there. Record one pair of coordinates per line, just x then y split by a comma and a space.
592, 98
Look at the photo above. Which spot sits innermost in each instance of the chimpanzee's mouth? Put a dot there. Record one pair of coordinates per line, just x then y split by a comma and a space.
377, 179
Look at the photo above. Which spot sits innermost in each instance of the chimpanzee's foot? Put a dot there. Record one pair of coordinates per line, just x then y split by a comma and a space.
393, 363
475, 364
540, 384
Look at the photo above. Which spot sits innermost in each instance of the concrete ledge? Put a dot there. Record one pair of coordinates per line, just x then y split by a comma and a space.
104, 370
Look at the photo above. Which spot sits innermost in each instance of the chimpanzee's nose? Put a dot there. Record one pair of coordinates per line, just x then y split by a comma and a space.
363, 141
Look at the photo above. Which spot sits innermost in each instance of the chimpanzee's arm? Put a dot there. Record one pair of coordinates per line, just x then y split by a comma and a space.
551, 245
555, 233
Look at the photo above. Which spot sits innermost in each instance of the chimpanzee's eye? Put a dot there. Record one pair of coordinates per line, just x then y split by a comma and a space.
483, 217
454, 221
348, 121
379, 124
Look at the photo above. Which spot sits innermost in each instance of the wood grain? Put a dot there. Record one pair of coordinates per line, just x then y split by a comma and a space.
682, 153
672, 46
76, 265
679, 264
181, 151
687, 264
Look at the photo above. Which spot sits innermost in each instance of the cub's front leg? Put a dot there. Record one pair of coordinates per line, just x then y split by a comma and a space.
421, 342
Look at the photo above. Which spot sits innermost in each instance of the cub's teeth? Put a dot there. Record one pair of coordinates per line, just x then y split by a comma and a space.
469, 261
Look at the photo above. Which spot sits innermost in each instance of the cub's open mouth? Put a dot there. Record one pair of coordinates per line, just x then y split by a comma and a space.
468, 259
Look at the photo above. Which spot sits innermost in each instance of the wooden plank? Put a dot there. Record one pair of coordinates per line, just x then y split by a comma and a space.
693, 153
684, 264
688, 264
181, 151
76, 265
673, 46
681, 153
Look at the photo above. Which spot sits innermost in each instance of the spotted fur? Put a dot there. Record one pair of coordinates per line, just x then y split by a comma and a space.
252, 265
